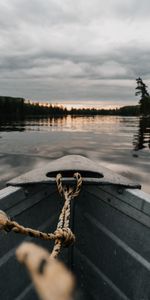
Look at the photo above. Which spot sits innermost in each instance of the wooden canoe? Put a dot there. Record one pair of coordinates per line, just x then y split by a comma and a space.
111, 222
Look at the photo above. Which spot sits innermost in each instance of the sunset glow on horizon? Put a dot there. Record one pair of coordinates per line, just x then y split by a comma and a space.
81, 104
101, 105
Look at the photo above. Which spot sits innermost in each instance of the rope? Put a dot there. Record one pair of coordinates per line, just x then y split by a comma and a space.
63, 223
63, 235
51, 278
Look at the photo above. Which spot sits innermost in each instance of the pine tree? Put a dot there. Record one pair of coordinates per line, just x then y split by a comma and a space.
144, 101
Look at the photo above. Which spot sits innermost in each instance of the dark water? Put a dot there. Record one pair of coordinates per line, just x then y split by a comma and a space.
119, 143
142, 137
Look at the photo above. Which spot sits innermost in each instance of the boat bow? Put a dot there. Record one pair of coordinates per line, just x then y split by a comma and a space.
91, 172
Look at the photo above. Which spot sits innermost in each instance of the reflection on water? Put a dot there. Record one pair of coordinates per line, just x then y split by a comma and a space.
95, 124
38, 124
66, 123
109, 140
142, 137
70, 123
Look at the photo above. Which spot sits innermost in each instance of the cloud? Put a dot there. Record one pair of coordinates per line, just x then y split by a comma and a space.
77, 50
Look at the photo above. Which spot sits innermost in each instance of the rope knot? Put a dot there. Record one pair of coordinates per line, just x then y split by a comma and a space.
66, 235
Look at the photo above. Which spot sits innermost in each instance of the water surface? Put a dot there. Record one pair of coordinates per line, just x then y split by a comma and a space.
119, 143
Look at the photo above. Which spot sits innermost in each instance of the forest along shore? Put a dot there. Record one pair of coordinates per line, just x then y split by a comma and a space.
11, 107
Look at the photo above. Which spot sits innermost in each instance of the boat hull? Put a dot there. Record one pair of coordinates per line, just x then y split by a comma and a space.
111, 255
112, 252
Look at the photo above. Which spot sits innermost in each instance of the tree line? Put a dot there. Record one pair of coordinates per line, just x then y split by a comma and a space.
11, 107
122, 111
18, 107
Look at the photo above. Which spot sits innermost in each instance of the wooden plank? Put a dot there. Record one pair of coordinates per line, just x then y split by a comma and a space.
123, 205
132, 232
97, 285
124, 195
9, 196
127, 269
30, 201
119, 242
134, 197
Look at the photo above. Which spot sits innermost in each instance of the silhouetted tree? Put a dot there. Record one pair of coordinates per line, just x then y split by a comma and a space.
144, 102
141, 88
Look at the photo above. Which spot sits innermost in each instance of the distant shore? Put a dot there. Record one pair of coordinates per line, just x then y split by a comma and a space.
11, 107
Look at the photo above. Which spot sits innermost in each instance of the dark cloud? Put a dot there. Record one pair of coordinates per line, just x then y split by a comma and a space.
73, 50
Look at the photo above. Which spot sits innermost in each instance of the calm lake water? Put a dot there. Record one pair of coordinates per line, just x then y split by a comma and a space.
119, 143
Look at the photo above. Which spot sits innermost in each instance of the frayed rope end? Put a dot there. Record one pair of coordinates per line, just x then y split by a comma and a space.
3, 220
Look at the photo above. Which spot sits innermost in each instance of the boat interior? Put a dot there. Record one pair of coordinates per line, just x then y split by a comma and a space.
111, 255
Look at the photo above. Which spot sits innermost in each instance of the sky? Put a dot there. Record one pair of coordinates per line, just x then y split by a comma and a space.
78, 53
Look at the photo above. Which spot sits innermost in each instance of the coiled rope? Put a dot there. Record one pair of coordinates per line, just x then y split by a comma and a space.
52, 280
63, 236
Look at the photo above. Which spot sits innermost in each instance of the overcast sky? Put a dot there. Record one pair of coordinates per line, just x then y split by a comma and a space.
82, 51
